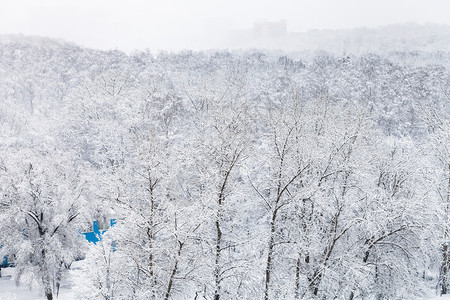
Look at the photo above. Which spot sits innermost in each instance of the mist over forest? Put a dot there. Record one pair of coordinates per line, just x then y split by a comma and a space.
317, 168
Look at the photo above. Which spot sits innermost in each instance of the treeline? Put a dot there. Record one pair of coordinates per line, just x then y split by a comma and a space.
243, 175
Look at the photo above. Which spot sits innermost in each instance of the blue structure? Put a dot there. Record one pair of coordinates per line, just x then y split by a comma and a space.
5, 263
96, 235
93, 237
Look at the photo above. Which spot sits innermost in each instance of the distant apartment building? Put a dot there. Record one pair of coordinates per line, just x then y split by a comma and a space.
269, 30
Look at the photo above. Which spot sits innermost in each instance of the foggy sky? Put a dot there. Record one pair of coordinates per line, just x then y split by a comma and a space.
175, 24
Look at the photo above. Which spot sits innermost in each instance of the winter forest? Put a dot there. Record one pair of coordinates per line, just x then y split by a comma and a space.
229, 174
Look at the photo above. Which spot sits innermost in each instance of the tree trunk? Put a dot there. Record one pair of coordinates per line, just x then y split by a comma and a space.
365, 259
270, 254
174, 271
352, 295
444, 272
58, 278
445, 258
46, 282
47, 287
297, 277
316, 285
151, 186
220, 203
217, 261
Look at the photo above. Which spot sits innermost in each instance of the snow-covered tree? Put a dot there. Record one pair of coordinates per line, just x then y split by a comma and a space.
42, 200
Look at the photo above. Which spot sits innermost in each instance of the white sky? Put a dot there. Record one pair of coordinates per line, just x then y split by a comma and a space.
171, 24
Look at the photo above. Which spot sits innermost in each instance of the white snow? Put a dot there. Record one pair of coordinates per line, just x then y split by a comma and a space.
9, 290
436, 297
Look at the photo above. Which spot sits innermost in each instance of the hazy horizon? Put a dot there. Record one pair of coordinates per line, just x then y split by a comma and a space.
198, 24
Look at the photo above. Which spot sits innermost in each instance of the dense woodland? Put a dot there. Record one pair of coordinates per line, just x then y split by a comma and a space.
232, 175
